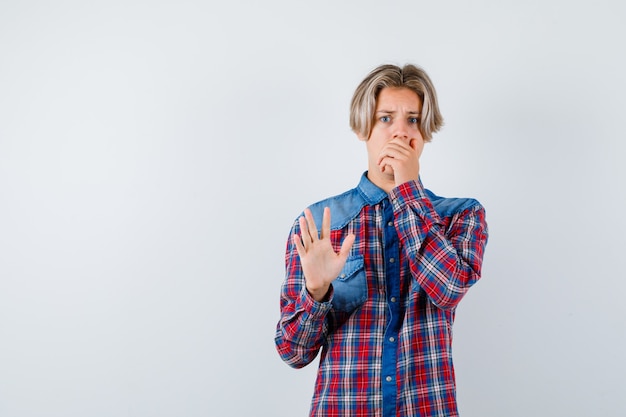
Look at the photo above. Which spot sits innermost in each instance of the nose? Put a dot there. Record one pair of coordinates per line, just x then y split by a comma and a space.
401, 129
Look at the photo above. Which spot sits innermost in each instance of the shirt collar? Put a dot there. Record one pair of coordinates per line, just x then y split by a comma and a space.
371, 192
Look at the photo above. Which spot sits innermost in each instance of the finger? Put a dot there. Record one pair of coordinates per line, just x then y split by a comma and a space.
387, 169
399, 148
401, 142
389, 162
386, 165
311, 224
393, 151
384, 159
299, 246
326, 223
346, 246
304, 231
394, 158
384, 153
417, 145
403, 145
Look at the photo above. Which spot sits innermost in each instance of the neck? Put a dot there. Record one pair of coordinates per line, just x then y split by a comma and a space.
382, 181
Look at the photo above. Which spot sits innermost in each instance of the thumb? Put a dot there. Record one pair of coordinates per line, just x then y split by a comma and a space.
346, 246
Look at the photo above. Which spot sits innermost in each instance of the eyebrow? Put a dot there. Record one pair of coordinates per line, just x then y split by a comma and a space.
392, 112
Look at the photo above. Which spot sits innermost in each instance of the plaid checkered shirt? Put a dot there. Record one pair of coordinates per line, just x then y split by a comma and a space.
385, 331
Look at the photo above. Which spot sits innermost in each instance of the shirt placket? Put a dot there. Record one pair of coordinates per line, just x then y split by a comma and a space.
392, 280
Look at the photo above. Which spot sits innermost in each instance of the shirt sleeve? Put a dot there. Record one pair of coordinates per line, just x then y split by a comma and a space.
303, 326
445, 261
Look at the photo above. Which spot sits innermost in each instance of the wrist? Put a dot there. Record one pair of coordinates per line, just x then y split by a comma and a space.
320, 294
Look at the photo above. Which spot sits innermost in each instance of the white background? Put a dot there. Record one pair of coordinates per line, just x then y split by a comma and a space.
154, 154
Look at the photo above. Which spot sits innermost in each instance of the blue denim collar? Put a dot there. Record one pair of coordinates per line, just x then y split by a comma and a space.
370, 192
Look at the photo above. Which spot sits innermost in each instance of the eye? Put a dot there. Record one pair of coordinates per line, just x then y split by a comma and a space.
385, 119
414, 120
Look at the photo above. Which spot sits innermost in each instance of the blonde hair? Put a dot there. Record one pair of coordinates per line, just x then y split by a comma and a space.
363, 105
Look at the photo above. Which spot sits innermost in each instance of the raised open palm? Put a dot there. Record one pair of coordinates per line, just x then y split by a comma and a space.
320, 263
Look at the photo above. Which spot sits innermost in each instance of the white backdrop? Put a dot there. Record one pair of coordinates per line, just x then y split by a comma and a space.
153, 155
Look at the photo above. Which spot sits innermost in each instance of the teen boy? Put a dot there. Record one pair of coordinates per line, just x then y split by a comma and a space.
375, 286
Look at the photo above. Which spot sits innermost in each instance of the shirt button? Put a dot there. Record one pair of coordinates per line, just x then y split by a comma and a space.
392, 260
389, 223
393, 299
388, 379
343, 275
392, 339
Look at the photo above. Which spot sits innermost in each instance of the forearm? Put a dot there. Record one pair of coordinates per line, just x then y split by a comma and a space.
302, 327
444, 259
301, 330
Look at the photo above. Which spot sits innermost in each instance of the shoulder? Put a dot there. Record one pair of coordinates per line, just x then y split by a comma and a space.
343, 208
451, 206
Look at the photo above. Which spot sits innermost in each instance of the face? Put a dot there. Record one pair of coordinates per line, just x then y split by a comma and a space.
397, 115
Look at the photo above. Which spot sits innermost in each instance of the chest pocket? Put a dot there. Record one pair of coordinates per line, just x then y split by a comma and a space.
350, 287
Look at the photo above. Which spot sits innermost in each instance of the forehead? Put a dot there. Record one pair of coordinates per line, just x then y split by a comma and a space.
391, 98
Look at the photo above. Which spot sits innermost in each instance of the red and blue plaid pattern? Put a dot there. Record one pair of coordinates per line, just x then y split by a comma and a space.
392, 355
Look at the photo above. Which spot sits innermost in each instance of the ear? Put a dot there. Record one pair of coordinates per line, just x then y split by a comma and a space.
361, 138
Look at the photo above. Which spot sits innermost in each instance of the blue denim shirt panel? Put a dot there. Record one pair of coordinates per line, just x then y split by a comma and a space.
448, 207
345, 207
350, 287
